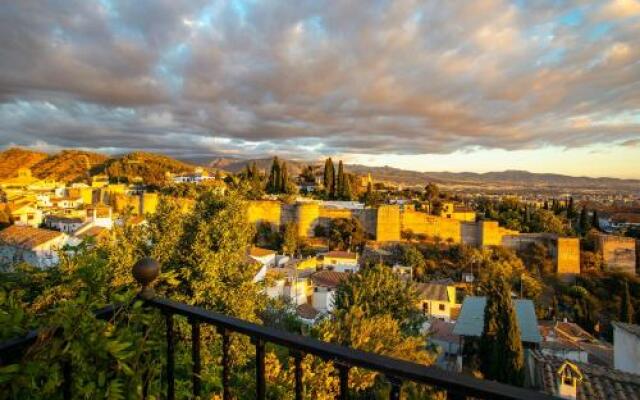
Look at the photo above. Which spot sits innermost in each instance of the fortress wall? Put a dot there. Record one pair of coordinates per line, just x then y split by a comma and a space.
432, 226
470, 233
368, 219
307, 215
148, 203
388, 223
335, 213
567, 256
618, 253
268, 211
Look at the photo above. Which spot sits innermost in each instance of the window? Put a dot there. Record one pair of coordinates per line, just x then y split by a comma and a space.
441, 307
425, 308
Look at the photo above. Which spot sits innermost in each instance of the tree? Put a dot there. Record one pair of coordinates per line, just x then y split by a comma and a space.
626, 307
329, 179
340, 181
290, 239
346, 187
284, 178
431, 192
583, 223
275, 179
595, 222
345, 234
378, 291
571, 210
501, 352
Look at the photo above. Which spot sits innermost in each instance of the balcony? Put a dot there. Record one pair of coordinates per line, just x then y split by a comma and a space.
396, 372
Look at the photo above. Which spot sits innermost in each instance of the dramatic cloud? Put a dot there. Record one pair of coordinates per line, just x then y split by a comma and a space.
306, 78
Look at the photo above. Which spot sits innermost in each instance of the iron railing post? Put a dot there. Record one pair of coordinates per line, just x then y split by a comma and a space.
396, 388
226, 394
343, 374
261, 391
297, 359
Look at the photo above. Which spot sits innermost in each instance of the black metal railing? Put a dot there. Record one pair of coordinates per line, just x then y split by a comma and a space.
456, 385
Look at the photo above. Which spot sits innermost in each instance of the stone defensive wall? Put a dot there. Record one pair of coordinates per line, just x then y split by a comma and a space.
564, 250
385, 223
618, 253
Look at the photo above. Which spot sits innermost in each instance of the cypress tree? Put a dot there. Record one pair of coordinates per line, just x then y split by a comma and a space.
502, 355
626, 308
595, 223
254, 170
274, 184
329, 178
340, 182
546, 205
584, 221
346, 188
571, 211
284, 178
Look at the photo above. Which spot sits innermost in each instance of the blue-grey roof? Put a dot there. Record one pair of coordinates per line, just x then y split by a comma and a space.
471, 319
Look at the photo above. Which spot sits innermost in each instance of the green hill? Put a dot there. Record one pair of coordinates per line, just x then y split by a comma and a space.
152, 168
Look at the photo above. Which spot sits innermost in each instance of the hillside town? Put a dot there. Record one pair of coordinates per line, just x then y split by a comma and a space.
321, 230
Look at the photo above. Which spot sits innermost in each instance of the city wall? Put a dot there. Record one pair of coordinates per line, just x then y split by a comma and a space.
387, 222
618, 253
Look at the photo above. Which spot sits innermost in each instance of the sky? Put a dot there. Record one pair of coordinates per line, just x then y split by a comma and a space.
544, 86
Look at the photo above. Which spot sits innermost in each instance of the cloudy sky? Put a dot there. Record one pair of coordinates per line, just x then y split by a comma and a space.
448, 85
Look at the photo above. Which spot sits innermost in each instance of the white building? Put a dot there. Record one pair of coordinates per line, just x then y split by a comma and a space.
325, 284
626, 347
340, 261
63, 224
38, 247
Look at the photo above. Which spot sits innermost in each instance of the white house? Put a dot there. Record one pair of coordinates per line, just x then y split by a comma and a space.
626, 347
340, 261
25, 214
437, 300
265, 258
38, 247
325, 284
63, 223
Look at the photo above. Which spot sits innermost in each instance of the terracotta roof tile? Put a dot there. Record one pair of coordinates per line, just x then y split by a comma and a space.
341, 254
26, 236
307, 311
599, 383
260, 252
328, 278
432, 291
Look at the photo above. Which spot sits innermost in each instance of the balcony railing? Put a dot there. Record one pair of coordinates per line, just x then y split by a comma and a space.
456, 385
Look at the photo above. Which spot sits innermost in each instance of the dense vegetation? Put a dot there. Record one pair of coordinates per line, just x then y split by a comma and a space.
149, 167
202, 253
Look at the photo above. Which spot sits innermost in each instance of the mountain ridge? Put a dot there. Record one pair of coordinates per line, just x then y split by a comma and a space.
73, 165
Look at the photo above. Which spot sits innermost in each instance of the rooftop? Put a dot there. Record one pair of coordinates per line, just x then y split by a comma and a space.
27, 237
629, 328
471, 319
432, 291
260, 252
341, 254
598, 383
329, 278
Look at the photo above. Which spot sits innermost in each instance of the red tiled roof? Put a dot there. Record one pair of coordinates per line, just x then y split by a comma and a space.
341, 254
94, 231
432, 291
598, 383
329, 278
260, 252
26, 236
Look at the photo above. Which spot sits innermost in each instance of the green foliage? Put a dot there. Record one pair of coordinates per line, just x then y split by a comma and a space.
626, 306
378, 291
329, 179
501, 353
152, 168
515, 215
345, 234
290, 239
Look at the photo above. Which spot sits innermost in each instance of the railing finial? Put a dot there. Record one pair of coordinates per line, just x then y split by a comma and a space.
145, 271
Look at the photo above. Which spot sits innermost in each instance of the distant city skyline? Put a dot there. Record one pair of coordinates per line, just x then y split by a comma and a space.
541, 86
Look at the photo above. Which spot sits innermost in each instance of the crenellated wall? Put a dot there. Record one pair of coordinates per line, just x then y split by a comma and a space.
386, 223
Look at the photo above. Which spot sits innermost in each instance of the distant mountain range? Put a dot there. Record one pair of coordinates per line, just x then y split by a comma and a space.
512, 178
74, 165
